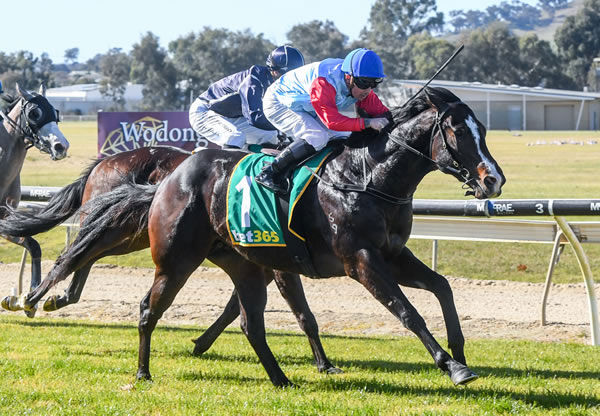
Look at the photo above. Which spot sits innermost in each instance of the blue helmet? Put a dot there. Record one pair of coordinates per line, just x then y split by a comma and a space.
1, 87
363, 62
285, 58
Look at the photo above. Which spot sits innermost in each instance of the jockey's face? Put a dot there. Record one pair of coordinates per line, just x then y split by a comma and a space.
276, 75
359, 93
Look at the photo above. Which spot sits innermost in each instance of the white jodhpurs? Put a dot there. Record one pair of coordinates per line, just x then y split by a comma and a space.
298, 124
223, 130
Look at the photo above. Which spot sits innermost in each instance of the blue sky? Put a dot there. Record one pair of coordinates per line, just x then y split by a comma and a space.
96, 26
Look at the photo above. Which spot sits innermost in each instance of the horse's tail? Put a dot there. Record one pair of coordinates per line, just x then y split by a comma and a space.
127, 205
61, 206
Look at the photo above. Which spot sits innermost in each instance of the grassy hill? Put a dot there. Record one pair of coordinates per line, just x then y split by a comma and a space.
547, 32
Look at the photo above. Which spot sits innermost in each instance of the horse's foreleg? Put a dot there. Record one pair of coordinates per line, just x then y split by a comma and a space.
205, 341
372, 272
72, 293
411, 272
252, 293
291, 289
33, 248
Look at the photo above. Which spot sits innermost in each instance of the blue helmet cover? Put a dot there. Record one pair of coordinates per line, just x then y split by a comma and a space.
363, 62
285, 58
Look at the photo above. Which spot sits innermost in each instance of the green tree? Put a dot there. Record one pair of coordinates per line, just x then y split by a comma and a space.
491, 55
115, 67
540, 66
212, 54
392, 22
318, 40
150, 66
71, 55
578, 41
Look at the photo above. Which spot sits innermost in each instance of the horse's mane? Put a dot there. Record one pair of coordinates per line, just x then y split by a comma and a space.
403, 113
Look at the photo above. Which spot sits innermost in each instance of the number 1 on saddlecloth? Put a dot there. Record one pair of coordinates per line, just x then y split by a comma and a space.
244, 187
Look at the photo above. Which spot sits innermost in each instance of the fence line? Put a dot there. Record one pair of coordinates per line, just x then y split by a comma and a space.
445, 220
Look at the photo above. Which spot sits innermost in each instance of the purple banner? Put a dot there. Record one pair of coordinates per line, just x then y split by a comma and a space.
121, 131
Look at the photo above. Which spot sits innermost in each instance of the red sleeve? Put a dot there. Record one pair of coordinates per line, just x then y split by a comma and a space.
372, 105
322, 97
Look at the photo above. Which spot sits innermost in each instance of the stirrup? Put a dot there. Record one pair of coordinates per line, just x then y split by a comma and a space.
267, 179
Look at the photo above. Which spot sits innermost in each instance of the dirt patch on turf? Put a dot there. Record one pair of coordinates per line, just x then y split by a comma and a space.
488, 309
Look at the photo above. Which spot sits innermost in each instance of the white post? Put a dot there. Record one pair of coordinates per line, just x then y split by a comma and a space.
524, 112
434, 253
487, 98
588, 279
579, 116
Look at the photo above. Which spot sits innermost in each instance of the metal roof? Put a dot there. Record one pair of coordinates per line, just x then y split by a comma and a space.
503, 89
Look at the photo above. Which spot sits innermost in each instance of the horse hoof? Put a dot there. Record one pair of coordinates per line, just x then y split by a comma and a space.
30, 313
11, 303
199, 347
462, 375
143, 376
50, 304
333, 370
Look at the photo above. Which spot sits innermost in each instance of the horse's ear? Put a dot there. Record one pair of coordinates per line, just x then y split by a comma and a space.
42, 90
23, 93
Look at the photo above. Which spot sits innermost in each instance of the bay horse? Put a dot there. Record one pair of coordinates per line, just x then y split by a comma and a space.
30, 120
143, 165
187, 223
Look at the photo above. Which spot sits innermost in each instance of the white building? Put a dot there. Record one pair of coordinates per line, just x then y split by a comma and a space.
512, 107
87, 99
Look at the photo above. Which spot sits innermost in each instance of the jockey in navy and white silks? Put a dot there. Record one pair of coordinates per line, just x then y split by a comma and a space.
230, 112
306, 105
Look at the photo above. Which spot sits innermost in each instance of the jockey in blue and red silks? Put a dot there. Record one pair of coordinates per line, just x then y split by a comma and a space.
230, 112
305, 104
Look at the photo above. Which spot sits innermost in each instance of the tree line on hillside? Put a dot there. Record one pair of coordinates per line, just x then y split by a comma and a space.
409, 35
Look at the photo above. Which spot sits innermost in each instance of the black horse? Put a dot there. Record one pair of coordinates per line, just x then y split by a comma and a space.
359, 231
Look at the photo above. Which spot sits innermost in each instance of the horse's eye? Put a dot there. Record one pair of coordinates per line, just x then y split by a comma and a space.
459, 131
35, 114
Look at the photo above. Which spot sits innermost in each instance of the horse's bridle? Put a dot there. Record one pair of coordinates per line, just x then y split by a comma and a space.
29, 126
457, 168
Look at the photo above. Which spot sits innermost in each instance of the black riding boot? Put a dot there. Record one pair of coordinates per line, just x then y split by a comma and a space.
274, 176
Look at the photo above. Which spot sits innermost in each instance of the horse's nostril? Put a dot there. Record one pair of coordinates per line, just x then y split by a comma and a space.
489, 181
59, 148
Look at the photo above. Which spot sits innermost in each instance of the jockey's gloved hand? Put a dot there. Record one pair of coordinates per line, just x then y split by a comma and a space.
376, 123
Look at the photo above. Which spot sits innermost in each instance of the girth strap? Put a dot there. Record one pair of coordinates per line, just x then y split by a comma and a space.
296, 247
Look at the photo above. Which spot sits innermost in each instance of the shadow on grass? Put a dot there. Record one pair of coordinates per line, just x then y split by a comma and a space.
545, 400
306, 359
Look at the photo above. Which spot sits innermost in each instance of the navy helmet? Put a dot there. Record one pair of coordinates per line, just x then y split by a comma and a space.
285, 58
363, 62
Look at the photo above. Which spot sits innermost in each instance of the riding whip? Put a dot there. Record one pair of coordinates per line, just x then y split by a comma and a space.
456, 52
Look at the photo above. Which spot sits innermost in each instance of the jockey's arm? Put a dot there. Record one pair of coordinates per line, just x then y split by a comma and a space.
322, 97
372, 105
251, 92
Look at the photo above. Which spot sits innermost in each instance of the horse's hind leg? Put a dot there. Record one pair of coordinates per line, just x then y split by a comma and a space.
290, 286
207, 339
252, 292
411, 272
72, 293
